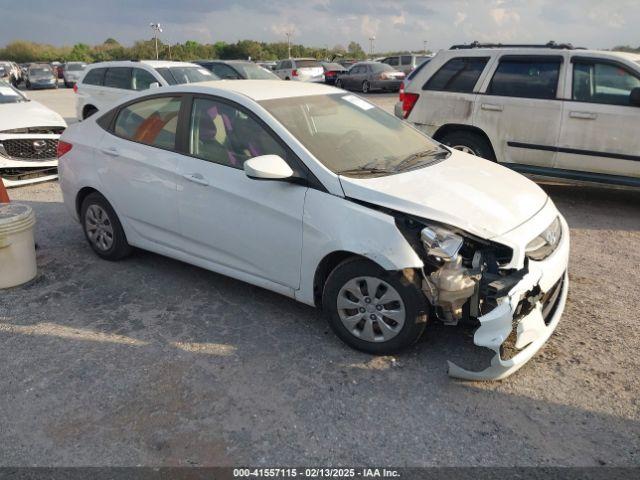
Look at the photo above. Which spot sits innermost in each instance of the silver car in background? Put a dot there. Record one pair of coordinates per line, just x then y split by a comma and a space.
41, 75
72, 72
300, 69
406, 62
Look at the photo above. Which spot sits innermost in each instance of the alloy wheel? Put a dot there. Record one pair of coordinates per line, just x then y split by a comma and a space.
99, 227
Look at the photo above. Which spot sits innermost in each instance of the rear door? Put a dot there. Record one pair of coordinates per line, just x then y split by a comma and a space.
117, 84
137, 167
91, 88
521, 109
600, 127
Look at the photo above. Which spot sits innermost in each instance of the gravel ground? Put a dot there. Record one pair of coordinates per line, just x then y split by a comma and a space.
150, 361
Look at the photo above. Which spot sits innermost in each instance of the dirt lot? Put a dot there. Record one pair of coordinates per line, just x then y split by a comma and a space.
152, 361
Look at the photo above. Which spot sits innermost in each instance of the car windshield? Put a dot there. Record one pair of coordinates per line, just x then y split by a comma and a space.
255, 72
352, 137
8, 94
75, 67
182, 75
307, 64
40, 71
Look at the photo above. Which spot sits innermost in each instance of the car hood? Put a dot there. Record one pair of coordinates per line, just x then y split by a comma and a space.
476, 195
28, 114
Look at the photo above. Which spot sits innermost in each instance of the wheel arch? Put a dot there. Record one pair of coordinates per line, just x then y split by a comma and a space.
83, 193
324, 269
461, 127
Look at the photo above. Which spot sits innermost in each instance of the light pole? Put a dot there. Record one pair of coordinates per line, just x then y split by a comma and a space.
424, 46
156, 29
372, 39
289, 35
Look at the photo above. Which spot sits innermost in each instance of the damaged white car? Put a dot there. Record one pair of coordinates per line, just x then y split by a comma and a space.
317, 194
29, 134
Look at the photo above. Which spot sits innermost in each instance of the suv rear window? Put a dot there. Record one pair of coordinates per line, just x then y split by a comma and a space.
526, 77
95, 76
457, 75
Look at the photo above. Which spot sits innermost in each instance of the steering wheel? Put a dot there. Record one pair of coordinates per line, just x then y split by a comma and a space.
350, 136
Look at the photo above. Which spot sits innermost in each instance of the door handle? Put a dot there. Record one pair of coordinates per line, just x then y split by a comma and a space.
492, 107
196, 178
584, 115
112, 151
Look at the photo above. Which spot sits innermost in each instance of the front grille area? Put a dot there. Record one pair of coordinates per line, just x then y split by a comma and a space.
31, 148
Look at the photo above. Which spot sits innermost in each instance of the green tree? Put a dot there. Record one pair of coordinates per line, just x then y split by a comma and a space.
355, 50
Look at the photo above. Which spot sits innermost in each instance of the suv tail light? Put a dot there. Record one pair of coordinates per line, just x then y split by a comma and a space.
75, 88
408, 102
63, 147
294, 73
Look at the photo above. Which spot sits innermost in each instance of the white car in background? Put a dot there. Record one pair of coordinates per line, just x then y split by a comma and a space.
300, 69
29, 134
319, 195
105, 83
72, 72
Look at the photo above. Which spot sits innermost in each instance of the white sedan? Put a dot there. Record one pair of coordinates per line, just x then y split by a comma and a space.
319, 195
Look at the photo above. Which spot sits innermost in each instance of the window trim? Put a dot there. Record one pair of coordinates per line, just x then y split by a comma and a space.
113, 114
526, 59
475, 86
607, 61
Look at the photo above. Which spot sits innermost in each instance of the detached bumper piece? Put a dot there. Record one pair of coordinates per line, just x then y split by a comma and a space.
517, 327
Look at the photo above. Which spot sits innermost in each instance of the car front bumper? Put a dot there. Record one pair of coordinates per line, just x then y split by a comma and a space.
28, 165
501, 326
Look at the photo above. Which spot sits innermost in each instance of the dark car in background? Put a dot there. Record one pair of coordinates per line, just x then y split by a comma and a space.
368, 76
237, 70
332, 71
41, 75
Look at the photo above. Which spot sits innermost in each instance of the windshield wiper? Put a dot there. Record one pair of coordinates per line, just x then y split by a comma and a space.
365, 169
414, 159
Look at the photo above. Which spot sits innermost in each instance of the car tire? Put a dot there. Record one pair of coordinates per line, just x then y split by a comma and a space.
338, 83
365, 327
28, 85
366, 87
88, 111
469, 142
102, 228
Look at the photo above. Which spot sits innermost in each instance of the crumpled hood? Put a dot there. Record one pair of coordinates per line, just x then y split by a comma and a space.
476, 195
28, 114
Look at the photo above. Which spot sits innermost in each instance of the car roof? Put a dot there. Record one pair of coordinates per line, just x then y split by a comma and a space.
259, 90
150, 63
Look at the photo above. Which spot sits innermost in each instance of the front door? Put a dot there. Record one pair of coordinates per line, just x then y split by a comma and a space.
244, 225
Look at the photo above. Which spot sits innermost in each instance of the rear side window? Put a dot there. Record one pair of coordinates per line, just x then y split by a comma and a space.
457, 75
95, 76
142, 79
529, 78
152, 122
406, 59
600, 82
393, 61
118, 77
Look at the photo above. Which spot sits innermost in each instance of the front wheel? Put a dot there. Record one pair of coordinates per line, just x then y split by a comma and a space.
469, 142
366, 87
373, 310
339, 83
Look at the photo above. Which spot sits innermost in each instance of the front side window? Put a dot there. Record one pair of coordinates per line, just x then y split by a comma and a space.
528, 78
95, 76
457, 75
223, 134
393, 61
603, 83
152, 122
118, 77
224, 71
142, 79
350, 136
191, 75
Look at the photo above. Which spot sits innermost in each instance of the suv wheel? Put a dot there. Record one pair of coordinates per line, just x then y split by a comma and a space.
373, 310
103, 229
366, 87
469, 142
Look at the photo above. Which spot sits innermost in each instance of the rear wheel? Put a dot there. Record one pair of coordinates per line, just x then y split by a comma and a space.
469, 142
339, 83
373, 310
366, 87
102, 228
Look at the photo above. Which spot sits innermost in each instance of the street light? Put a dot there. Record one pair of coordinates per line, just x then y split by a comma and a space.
424, 46
289, 34
156, 30
372, 39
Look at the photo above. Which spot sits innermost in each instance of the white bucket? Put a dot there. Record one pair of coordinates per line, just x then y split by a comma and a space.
17, 247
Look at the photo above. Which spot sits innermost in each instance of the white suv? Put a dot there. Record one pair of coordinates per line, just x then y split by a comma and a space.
552, 110
107, 82
301, 69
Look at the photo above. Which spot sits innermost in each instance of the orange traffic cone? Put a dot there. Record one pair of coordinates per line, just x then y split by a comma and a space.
4, 196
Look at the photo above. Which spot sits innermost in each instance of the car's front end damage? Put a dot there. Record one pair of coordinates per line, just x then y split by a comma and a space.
513, 288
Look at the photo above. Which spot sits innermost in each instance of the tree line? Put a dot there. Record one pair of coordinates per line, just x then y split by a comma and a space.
21, 51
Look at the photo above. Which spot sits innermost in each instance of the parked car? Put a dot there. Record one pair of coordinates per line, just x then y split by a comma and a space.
322, 196
29, 135
72, 72
5, 74
57, 69
237, 70
368, 76
548, 110
11, 72
268, 65
300, 69
40, 75
107, 82
332, 71
405, 62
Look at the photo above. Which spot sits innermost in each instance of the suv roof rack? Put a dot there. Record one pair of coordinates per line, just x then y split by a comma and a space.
551, 44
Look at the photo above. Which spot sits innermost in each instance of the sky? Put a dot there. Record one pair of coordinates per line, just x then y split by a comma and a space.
396, 24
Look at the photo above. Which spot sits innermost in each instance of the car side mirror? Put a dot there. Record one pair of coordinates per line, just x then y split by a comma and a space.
267, 167
634, 97
153, 85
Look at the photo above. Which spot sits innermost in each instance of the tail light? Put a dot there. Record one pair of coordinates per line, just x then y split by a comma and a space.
294, 73
63, 148
408, 102
330, 74
75, 88
401, 92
